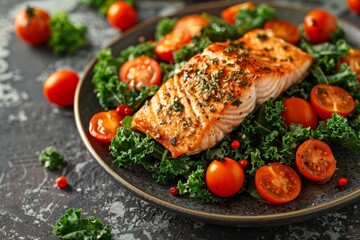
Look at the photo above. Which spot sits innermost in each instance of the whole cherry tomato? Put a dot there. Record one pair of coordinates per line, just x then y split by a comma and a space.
33, 26
224, 178
299, 111
319, 25
121, 15
59, 88
354, 5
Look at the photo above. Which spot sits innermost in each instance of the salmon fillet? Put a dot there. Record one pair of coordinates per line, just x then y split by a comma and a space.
215, 90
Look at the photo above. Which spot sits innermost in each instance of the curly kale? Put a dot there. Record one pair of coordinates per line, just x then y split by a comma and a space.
51, 159
71, 226
65, 37
164, 26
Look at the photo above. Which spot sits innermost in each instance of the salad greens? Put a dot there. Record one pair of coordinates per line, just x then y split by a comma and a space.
71, 226
264, 136
50, 158
65, 37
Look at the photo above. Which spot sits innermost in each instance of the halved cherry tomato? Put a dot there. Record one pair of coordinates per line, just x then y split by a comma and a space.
315, 160
225, 178
328, 99
103, 125
354, 5
193, 23
121, 15
229, 14
59, 88
171, 42
299, 111
319, 25
140, 71
277, 183
33, 25
284, 29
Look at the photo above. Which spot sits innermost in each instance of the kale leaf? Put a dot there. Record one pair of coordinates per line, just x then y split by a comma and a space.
164, 26
65, 37
71, 226
109, 90
51, 159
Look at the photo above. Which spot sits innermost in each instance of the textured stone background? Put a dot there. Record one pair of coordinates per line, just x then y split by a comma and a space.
30, 202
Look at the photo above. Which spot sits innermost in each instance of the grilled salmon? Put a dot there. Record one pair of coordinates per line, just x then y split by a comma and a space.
215, 90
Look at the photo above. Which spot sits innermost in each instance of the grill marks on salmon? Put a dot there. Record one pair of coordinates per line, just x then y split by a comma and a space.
214, 91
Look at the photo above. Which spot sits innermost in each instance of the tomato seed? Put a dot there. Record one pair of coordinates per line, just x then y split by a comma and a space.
61, 182
235, 144
342, 182
174, 191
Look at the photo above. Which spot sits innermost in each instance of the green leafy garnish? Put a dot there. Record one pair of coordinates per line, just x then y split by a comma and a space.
164, 26
65, 37
70, 226
51, 159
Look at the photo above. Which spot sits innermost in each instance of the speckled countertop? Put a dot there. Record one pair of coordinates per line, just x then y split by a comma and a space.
30, 202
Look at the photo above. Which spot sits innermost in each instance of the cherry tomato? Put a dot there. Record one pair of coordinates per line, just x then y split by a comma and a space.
354, 5
171, 42
299, 111
229, 14
319, 25
277, 183
342, 182
328, 99
224, 179
315, 160
284, 29
353, 61
61, 182
103, 125
59, 88
140, 71
121, 15
33, 26
194, 23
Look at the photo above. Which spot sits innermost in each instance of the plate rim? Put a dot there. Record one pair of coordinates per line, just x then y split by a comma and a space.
221, 219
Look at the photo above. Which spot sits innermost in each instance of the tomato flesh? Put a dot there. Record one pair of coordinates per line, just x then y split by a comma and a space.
229, 14
141, 71
103, 125
224, 178
328, 99
284, 29
194, 23
171, 42
319, 25
33, 26
59, 88
315, 160
277, 183
299, 111
121, 15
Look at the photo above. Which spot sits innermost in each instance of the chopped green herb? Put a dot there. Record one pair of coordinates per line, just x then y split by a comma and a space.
177, 106
51, 159
65, 37
262, 37
237, 102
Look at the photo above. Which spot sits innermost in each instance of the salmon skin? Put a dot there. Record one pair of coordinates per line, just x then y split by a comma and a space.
214, 91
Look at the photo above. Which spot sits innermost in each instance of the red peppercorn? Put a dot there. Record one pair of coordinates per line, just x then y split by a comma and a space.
235, 144
244, 163
342, 182
61, 182
174, 191
123, 110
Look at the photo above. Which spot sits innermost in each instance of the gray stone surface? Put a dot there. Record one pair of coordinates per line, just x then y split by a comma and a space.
30, 202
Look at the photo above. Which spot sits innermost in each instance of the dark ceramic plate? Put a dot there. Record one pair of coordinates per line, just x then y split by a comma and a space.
314, 199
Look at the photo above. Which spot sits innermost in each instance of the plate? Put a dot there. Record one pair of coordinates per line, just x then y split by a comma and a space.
242, 211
